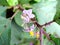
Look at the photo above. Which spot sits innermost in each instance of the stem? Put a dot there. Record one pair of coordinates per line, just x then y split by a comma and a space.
14, 14
48, 23
41, 36
46, 34
19, 7
38, 25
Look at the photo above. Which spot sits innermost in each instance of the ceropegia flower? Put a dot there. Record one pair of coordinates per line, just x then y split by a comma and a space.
27, 15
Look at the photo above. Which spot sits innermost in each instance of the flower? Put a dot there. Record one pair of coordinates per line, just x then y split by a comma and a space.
30, 30
27, 15
31, 33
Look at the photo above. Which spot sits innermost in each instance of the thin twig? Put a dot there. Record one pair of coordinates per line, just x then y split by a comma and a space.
14, 14
48, 23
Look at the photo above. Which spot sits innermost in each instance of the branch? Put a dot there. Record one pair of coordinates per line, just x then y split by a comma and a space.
41, 36
14, 14
38, 25
19, 7
48, 23
46, 34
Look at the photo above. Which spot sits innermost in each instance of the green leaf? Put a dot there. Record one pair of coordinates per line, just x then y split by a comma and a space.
2, 9
12, 2
47, 42
5, 31
45, 11
55, 40
4, 2
58, 5
58, 21
18, 36
57, 16
15, 34
53, 29
37, 0
18, 19
3, 14
23, 1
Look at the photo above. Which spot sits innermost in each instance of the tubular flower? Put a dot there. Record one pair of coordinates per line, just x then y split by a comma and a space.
27, 15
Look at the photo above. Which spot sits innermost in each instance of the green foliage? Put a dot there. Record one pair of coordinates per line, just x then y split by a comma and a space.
37, 0
47, 42
57, 15
55, 40
12, 2
4, 31
45, 11
18, 36
18, 19
3, 2
2, 9
23, 1
12, 31
53, 29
